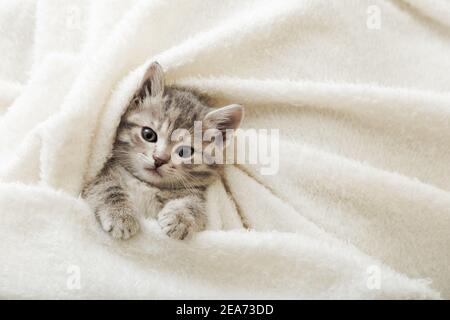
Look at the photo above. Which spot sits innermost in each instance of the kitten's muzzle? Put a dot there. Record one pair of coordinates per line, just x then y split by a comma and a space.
159, 160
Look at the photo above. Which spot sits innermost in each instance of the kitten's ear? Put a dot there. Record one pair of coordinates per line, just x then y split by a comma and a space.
153, 82
229, 117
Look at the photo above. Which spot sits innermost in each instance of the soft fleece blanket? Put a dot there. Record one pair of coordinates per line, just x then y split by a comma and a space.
360, 207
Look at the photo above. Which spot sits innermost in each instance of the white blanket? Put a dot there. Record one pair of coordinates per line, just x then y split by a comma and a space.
360, 207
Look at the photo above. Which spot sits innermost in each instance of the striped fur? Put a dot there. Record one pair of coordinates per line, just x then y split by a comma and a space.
131, 183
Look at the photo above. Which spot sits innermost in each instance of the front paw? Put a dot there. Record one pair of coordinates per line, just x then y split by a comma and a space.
177, 224
119, 225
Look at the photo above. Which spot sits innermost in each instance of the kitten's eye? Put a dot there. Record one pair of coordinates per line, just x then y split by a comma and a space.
185, 151
148, 134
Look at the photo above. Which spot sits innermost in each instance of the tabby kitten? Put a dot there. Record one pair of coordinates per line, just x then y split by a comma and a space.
151, 173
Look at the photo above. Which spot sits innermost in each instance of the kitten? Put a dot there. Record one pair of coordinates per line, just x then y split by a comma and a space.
149, 173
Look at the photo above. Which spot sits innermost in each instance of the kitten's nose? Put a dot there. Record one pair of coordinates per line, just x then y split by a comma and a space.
160, 160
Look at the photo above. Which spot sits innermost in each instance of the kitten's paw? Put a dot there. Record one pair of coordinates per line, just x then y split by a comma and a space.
177, 225
119, 225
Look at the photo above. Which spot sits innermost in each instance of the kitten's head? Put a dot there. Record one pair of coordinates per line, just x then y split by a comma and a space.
155, 138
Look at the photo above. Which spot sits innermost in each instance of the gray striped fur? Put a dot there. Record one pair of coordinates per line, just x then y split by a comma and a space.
129, 184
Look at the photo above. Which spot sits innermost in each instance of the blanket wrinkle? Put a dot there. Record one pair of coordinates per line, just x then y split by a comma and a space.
239, 211
436, 15
360, 205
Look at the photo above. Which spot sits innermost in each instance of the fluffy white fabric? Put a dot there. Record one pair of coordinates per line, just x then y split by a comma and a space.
359, 209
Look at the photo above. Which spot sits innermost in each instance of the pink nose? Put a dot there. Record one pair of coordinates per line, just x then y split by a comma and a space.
160, 160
